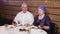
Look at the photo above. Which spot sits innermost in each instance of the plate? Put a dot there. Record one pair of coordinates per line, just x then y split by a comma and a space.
10, 27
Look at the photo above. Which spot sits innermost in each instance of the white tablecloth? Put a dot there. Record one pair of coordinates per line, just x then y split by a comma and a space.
4, 30
37, 31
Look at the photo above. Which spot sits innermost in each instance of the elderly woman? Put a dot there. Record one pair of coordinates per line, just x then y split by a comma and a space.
42, 20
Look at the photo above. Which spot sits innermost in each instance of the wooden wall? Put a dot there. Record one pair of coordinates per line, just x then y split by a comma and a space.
10, 8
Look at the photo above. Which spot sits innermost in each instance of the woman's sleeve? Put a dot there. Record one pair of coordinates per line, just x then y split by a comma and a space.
35, 22
48, 21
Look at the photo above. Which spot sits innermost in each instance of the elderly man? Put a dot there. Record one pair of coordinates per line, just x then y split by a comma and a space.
24, 17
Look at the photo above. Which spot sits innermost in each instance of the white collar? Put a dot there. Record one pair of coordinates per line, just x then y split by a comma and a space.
23, 12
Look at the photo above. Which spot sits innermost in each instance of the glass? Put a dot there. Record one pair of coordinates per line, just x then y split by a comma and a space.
14, 23
41, 24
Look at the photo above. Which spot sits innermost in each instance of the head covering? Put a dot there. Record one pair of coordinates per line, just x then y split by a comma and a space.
42, 7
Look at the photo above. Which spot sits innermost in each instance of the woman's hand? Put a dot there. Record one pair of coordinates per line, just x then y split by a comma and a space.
46, 27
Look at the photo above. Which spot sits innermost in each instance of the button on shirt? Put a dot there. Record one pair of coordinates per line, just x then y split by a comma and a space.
24, 18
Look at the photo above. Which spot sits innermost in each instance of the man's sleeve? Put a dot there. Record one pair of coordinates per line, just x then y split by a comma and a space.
31, 19
16, 18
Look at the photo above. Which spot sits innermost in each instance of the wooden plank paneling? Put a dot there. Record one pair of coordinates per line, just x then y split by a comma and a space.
9, 12
7, 16
35, 3
11, 8
48, 4
50, 11
54, 17
53, 11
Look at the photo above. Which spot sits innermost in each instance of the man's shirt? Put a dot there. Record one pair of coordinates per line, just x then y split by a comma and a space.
24, 18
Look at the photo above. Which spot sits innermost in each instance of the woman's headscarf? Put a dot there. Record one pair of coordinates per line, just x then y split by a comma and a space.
42, 7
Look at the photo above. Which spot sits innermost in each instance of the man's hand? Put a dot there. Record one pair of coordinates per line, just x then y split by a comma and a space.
14, 23
27, 25
6, 25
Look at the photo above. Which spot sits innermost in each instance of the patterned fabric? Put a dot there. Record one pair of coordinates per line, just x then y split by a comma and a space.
46, 21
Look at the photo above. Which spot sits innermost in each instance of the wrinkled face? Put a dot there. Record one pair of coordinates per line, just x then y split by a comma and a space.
40, 12
24, 8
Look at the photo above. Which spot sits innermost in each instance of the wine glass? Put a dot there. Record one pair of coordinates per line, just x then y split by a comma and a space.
41, 25
14, 23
